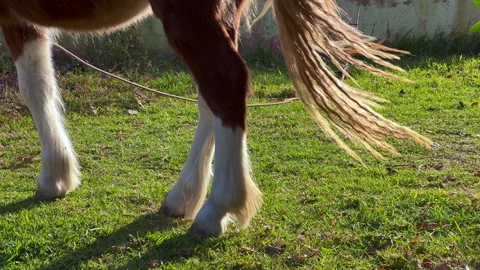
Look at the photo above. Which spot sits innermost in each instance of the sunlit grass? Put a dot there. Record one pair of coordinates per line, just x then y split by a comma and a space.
322, 210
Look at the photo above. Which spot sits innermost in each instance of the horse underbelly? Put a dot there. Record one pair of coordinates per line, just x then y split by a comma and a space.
78, 15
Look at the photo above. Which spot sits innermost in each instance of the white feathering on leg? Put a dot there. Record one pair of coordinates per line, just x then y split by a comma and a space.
187, 195
234, 194
60, 171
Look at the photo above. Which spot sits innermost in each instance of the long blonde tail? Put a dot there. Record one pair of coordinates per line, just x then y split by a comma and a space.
313, 29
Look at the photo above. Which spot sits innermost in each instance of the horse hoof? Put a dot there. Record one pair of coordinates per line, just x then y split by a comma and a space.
169, 212
198, 231
47, 195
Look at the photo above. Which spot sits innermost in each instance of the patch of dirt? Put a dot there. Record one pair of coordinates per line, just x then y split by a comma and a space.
456, 150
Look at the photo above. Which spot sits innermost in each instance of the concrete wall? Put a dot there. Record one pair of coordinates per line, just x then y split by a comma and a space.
384, 19
395, 18
392, 19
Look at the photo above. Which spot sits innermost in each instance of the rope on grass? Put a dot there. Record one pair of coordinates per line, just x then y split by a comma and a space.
75, 57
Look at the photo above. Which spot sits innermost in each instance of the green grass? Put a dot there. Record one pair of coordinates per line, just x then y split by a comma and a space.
321, 210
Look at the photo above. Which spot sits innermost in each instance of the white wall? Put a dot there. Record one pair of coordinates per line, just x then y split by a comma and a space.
395, 18
389, 19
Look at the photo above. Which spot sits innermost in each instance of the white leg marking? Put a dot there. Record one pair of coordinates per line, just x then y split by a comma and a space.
234, 194
187, 195
36, 79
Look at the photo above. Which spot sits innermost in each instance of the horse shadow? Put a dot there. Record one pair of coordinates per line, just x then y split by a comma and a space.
130, 237
24, 204
175, 249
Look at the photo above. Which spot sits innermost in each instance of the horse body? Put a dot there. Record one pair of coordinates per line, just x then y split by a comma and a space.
81, 16
204, 35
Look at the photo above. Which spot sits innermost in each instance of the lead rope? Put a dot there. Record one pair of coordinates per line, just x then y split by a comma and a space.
153, 90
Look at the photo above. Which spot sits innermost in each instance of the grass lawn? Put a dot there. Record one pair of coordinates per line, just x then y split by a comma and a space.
322, 210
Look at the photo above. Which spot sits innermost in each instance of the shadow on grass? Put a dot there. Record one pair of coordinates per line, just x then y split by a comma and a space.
20, 205
130, 237
175, 249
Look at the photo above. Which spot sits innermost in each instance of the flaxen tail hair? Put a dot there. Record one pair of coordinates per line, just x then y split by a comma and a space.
313, 29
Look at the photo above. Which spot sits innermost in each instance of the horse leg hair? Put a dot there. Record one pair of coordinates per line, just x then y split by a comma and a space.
30, 49
187, 195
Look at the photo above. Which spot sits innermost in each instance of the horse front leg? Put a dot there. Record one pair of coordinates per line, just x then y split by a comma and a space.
187, 195
30, 49
234, 195
196, 30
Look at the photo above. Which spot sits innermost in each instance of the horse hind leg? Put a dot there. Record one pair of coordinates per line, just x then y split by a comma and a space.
30, 49
206, 45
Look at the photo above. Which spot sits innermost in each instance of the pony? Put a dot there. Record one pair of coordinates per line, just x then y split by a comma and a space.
204, 34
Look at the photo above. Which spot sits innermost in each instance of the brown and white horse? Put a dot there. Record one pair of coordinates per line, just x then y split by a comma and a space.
204, 34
